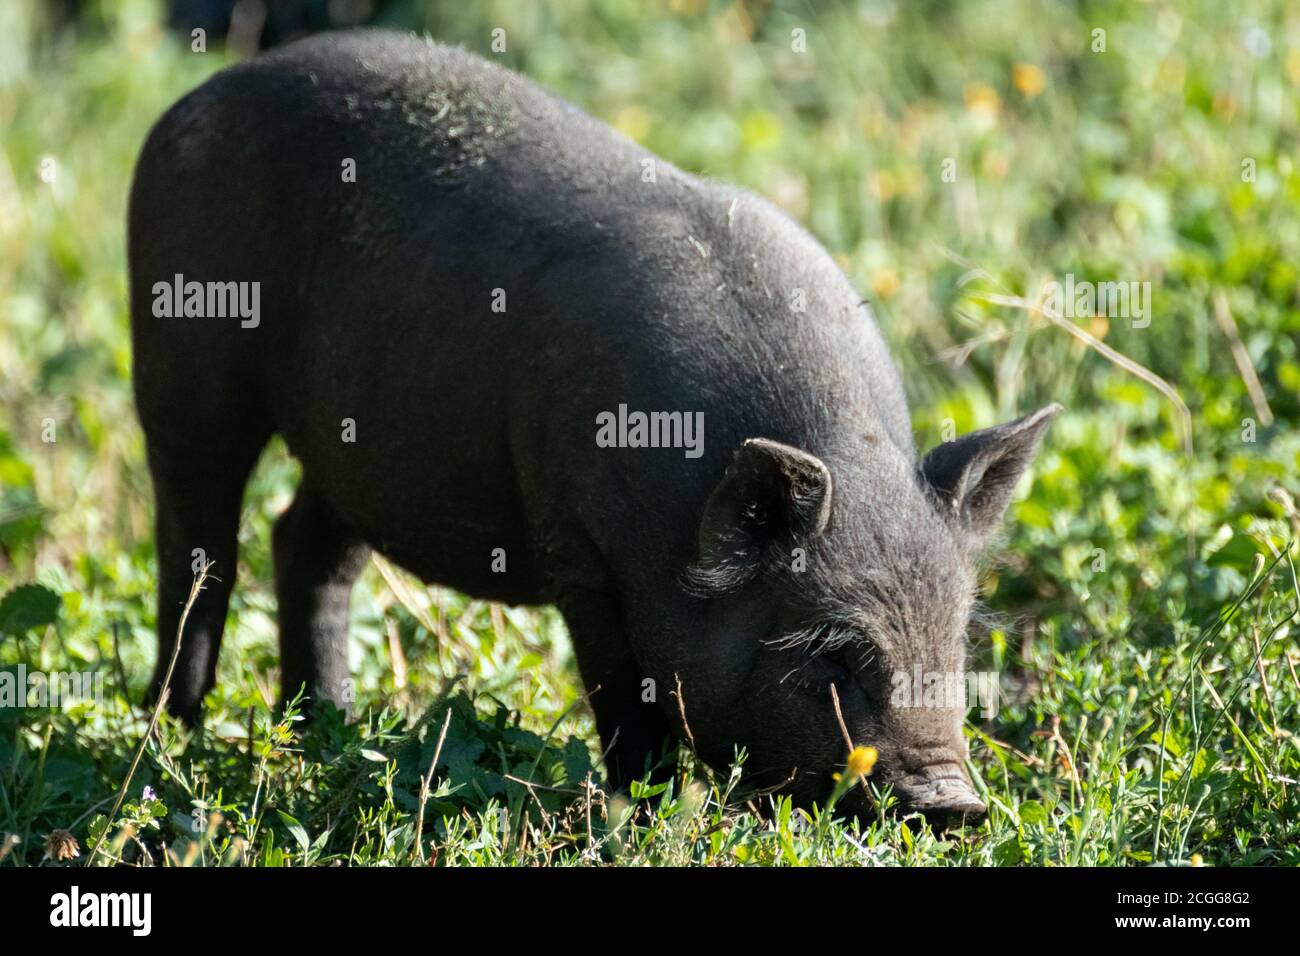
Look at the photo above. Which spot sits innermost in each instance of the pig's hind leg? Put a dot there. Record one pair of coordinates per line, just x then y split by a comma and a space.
198, 496
634, 733
317, 560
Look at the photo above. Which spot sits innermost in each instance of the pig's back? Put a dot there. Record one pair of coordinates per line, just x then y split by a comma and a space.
502, 269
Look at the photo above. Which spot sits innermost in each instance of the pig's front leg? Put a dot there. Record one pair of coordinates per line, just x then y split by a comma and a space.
317, 559
634, 734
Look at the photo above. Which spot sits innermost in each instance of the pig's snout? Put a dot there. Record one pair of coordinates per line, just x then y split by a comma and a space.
943, 794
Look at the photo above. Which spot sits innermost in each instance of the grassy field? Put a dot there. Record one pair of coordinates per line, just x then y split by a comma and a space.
953, 157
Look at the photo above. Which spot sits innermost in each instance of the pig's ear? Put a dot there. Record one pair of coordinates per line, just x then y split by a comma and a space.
771, 495
975, 475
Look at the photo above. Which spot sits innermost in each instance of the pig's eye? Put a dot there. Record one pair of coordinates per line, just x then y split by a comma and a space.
858, 657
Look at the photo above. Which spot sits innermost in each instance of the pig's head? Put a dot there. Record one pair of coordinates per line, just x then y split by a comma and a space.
861, 576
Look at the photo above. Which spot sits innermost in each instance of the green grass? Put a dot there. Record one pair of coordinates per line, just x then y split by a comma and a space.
1146, 597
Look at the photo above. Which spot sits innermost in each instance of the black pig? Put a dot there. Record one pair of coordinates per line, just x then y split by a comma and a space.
523, 357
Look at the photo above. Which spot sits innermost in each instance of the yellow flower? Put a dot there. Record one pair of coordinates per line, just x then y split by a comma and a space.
884, 283
982, 99
862, 760
1196, 860
1028, 79
883, 184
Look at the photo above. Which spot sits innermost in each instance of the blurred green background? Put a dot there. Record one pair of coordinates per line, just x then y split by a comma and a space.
1112, 141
